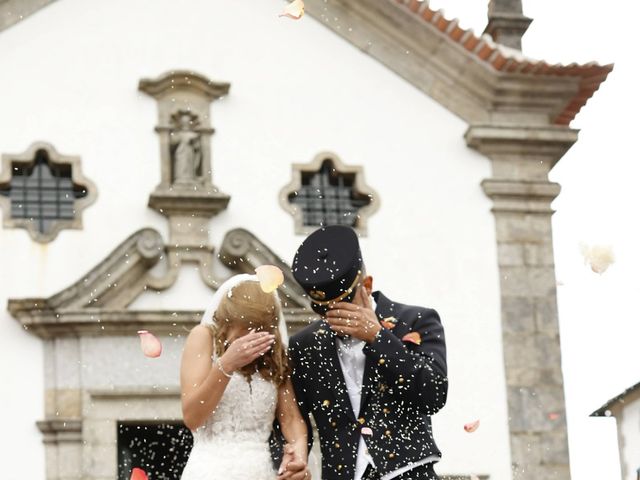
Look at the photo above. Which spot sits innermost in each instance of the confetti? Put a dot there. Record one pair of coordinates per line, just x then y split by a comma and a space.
413, 337
150, 345
599, 257
294, 10
366, 431
472, 427
554, 416
138, 474
270, 277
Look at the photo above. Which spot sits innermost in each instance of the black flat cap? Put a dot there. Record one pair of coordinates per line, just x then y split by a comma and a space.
328, 266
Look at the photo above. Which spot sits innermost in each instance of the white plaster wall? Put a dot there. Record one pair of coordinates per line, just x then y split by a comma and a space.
629, 437
70, 77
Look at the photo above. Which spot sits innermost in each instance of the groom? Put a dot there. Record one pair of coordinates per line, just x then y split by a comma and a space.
371, 372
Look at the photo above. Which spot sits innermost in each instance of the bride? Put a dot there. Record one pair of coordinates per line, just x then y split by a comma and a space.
234, 379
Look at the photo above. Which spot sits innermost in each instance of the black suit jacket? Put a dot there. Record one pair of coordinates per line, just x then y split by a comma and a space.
403, 385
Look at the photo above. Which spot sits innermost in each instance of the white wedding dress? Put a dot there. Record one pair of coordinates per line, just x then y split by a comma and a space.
233, 444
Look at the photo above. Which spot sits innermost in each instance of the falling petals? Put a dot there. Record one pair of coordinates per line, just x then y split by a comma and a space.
472, 427
599, 257
389, 322
294, 10
554, 416
150, 345
138, 474
366, 431
413, 337
270, 277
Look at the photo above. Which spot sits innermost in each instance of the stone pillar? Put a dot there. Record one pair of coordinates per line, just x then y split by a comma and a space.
522, 194
506, 23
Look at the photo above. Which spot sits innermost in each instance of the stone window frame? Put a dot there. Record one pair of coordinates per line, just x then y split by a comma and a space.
28, 157
359, 185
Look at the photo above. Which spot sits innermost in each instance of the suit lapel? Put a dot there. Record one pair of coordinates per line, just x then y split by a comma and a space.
329, 354
384, 308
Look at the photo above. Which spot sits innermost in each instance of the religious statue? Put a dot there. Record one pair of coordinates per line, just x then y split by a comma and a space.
186, 154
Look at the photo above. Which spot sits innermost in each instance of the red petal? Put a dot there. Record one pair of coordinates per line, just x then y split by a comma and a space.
149, 344
472, 427
138, 474
413, 337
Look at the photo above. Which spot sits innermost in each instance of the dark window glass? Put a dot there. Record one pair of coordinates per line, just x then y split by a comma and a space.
42, 191
160, 449
328, 197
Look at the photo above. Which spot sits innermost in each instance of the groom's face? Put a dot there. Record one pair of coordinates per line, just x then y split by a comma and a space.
367, 283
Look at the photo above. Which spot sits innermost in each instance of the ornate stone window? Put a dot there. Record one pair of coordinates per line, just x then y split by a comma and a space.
327, 192
43, 191
160, 449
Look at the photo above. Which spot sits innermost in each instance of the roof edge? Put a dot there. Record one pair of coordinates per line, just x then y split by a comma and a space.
601, 412
14, 11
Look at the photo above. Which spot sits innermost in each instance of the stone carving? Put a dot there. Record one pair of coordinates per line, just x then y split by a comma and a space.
186, 150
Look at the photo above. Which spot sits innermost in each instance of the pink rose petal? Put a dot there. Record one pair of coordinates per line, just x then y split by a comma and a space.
270, 277
413, 337
149, 344
138, 473
366, 431
472, 427
294, 10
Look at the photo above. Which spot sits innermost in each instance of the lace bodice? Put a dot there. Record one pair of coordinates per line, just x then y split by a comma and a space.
233, 444
245, 411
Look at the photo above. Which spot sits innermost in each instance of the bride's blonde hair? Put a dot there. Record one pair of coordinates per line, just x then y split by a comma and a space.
250, 307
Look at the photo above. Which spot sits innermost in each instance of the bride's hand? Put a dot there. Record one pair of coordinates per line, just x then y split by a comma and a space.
246, 349
292, 466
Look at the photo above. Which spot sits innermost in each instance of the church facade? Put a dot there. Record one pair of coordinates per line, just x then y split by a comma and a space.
160, 148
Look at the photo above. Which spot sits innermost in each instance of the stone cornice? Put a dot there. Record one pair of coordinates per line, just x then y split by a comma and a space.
186, 80
97, 303
521, 196
46, 323
550, 141
396, 34
206, 203
60, 430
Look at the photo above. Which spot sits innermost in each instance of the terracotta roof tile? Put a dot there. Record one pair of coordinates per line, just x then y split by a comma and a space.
507, 60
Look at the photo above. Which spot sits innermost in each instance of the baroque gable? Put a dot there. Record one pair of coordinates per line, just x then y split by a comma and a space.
98, 302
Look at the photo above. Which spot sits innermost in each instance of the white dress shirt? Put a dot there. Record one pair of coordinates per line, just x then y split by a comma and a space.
352, 360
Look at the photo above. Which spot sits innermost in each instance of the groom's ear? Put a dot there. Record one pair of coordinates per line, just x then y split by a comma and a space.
367, 283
